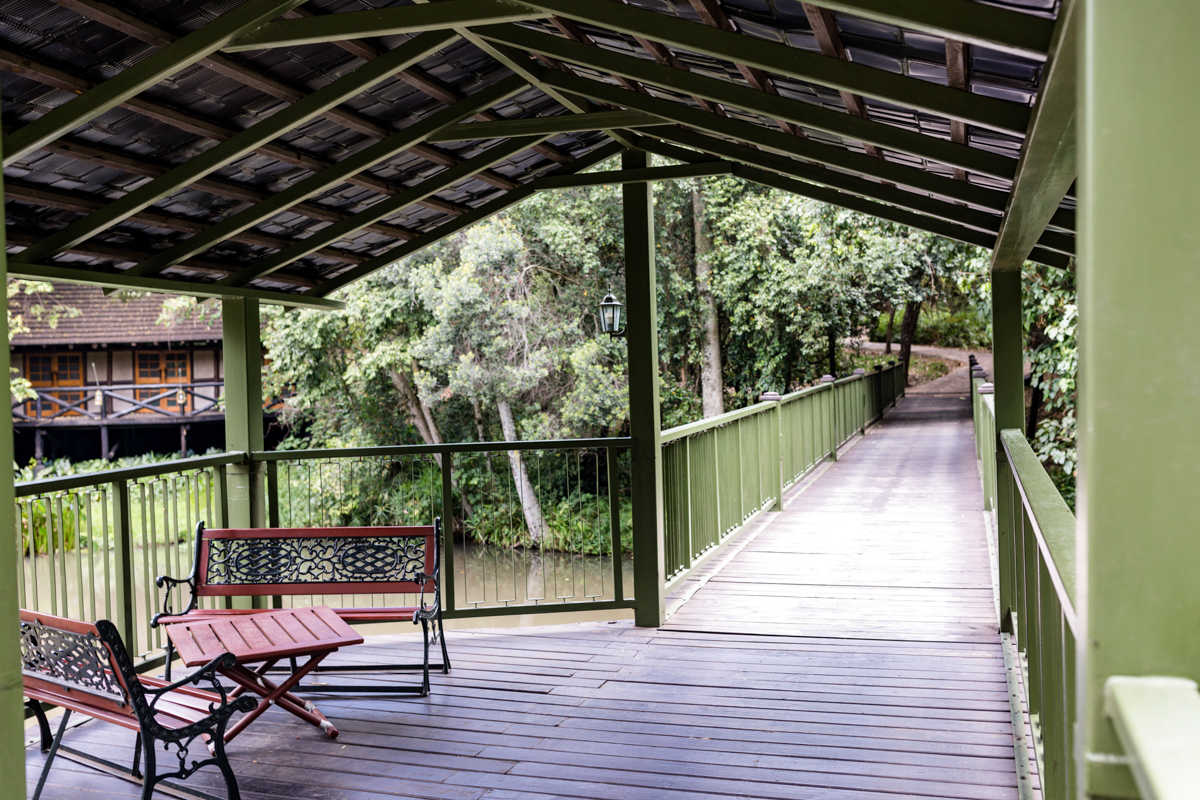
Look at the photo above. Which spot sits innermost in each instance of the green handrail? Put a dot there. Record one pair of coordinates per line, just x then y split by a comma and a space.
1157, 720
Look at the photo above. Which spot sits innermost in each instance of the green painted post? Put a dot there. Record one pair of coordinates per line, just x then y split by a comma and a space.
448, 573
831, 416
1008, 366
242, 357
642, 336
12, 730
122, 533
1138, 594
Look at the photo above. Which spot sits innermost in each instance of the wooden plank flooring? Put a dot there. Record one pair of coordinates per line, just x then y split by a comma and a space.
847, 651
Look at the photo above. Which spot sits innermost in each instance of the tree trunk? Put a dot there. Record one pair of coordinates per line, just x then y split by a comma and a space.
479, 429
908, 329
1035, 407
831, 335
529, 501
421, 416
712, 389
887, 348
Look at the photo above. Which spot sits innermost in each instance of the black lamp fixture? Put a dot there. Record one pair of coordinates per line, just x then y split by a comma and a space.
610, 316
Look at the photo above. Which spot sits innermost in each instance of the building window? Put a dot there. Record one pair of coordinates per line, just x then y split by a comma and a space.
46, 372
163, 368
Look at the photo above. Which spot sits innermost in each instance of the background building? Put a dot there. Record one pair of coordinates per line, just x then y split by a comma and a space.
113, 381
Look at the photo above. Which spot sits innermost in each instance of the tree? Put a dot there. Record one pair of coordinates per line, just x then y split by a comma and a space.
29, 301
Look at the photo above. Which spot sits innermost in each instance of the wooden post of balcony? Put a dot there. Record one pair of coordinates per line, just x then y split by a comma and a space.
244, 418
1138, 595
1008, 367
642, 336
12, 730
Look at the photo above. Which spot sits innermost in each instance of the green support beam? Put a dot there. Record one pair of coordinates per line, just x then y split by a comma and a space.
380, 22
1139, 441
12, 715
770, 106
546, 126
641, 334
849, 185
793, 62
242, 360
804, 149
384, 208
457, 224
239, 144
612, 177
151, 70
1046, 168
963, 20
329, 177
119, 280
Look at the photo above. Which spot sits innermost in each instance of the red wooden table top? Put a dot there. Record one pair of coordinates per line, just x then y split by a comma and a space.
261, 636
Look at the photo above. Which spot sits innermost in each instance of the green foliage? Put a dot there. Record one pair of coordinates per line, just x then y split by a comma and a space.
28, 301
963, 329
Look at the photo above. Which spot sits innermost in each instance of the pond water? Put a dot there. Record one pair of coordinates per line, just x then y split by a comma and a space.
82, 584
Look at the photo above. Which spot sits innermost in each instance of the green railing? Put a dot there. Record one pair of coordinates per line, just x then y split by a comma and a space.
539, 522
720, 473
1036, 552
1157, 721
91, 545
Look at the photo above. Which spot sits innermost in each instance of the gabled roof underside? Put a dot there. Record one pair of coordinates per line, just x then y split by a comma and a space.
282, 149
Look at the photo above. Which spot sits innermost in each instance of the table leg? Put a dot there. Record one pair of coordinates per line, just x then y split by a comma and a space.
278, 694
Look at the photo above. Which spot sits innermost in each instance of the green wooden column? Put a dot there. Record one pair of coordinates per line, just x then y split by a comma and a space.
1008, 377
1139, 377
12, 717
642, 335
242, 366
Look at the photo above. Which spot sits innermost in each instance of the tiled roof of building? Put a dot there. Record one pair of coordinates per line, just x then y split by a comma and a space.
104, 319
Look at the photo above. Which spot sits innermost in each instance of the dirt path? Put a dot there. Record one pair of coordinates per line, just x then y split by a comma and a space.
957, 381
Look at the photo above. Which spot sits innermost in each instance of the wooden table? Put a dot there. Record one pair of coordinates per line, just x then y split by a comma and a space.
262, 639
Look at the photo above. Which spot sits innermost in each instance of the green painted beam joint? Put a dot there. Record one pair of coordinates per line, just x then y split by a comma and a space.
380, 22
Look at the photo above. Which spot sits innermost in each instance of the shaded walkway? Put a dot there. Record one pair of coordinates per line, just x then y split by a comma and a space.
847, 650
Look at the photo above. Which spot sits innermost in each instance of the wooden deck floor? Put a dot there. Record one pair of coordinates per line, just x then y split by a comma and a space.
845, 648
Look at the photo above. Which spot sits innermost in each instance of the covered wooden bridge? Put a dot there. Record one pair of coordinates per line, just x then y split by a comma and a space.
835, 639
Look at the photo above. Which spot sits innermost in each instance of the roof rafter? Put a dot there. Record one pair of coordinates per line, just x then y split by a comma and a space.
142, 75
272, 86
847, 185
328, 235
116, 280
560, 123
793, 62
997, 28
419, 79
109, 157
1047, 165
238, 145
712, 14
332, 176
491, 208
830, 41
781, 142
758, 102
773, 179
52, 76
704, 169
85, 204
379, 22
132, 255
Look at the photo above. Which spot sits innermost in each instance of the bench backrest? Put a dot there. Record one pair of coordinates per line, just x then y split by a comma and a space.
279, 561
75, 660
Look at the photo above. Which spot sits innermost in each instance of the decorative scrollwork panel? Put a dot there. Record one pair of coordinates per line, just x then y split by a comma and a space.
77, 661
370, 559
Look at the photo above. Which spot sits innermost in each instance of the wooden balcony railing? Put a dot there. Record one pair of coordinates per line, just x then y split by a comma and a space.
168, 401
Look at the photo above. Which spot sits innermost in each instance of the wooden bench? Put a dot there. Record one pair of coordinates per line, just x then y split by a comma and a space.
258, 562
85, 668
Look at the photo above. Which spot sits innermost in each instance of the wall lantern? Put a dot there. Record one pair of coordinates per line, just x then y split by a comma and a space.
610, 316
